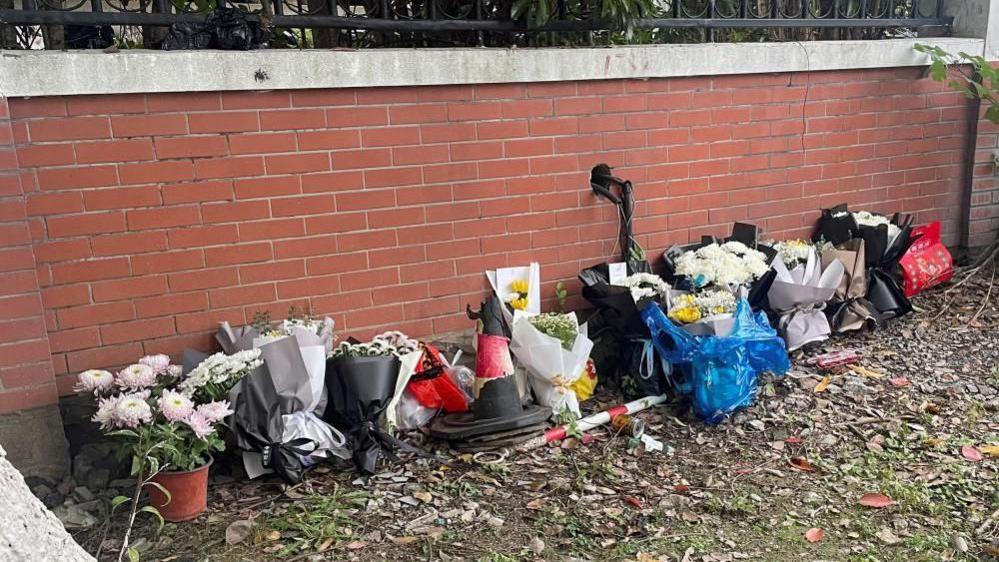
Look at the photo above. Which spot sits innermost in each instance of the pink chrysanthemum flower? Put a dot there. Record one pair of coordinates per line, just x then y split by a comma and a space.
136, 377
132, 410
175, 406
94, 380
215, 411
200, 424
106, 412
159, 362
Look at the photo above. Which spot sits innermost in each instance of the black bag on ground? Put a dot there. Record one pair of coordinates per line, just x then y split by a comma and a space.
88, 36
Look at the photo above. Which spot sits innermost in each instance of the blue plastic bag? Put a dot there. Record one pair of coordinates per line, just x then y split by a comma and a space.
720, 371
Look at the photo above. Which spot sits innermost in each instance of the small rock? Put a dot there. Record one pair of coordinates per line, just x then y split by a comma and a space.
960, 544
495, 522
73, 517
536, 545
757, 425
83, 494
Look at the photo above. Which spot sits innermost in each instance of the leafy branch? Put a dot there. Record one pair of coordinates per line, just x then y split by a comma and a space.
971, 75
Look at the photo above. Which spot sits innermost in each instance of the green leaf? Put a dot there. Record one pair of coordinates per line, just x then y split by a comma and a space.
156, 512
992, 113
166, 493
938, 70
118, 500
133, 554
123, 433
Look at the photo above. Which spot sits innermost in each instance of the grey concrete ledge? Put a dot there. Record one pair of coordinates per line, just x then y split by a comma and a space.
48, 73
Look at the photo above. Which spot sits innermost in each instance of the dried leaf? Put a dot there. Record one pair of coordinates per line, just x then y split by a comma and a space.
990, 451
802, 464
237, 531
424, 497
536, 504
403, 541
823, 384
325, 545
356, 545
814, 535
971, 453
635, 502
899, 382
273, 535
876, 501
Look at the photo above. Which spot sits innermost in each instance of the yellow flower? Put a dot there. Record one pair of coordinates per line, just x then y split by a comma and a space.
519, 286
519, 303
685, 315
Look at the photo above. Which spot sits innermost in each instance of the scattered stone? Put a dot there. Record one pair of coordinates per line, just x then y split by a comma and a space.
83, 494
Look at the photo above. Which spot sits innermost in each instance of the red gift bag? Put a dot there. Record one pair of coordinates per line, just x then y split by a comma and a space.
927, 263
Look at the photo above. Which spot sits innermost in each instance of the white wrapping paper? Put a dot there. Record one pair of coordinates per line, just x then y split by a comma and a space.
501, 279
552, 368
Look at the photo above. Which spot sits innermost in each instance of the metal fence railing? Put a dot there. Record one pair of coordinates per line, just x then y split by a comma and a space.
59, 24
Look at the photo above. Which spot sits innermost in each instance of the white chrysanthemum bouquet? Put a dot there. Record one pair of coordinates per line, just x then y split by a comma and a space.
722, 265
142, 405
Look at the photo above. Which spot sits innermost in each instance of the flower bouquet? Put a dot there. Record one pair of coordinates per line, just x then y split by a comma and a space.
886, 240
719, 372
361, 379
555, 352
275, 423
739, 259
519, 288
702, 313
169, 434
793, 253
798, 298
849, 309
634, 362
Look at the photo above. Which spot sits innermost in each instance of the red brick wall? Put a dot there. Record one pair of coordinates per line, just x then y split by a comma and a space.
155, 216
26, 376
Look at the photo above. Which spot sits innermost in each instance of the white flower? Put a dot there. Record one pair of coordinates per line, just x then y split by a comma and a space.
175, 406
106, 411
220, 369
175, 370
136, 377
94, 380
645, 285
131, 410
732, 263
793, 252
866, 218
159, 362
214, 411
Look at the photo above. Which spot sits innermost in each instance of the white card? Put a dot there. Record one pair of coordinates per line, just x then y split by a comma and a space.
617, 272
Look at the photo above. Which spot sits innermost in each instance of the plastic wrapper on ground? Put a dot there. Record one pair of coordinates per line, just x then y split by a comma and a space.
720, 372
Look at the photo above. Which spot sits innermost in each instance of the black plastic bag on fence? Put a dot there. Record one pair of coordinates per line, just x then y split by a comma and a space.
233, 32
225, 28
88, 36
190, 36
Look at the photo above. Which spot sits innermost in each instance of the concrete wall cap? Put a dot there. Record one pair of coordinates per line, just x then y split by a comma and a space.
53, 73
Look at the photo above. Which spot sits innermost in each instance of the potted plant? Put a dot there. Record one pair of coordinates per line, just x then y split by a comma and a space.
360, 380
168, 429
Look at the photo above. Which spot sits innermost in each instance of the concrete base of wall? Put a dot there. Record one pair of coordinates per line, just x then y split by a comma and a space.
35, 442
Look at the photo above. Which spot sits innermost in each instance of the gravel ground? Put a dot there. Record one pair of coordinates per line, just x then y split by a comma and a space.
910, 432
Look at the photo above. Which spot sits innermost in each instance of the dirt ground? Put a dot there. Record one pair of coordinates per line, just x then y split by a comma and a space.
913, 426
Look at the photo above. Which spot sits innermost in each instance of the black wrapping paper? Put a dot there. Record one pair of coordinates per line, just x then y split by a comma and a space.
360, 389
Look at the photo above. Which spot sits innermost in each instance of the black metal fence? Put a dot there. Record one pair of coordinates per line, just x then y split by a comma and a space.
60, 24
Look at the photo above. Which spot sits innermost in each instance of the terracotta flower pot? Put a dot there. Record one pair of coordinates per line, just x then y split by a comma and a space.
188, 493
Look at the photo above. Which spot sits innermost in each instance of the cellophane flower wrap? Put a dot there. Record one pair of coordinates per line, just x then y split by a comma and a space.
143, 408
798, 297
705, 312
554, 350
